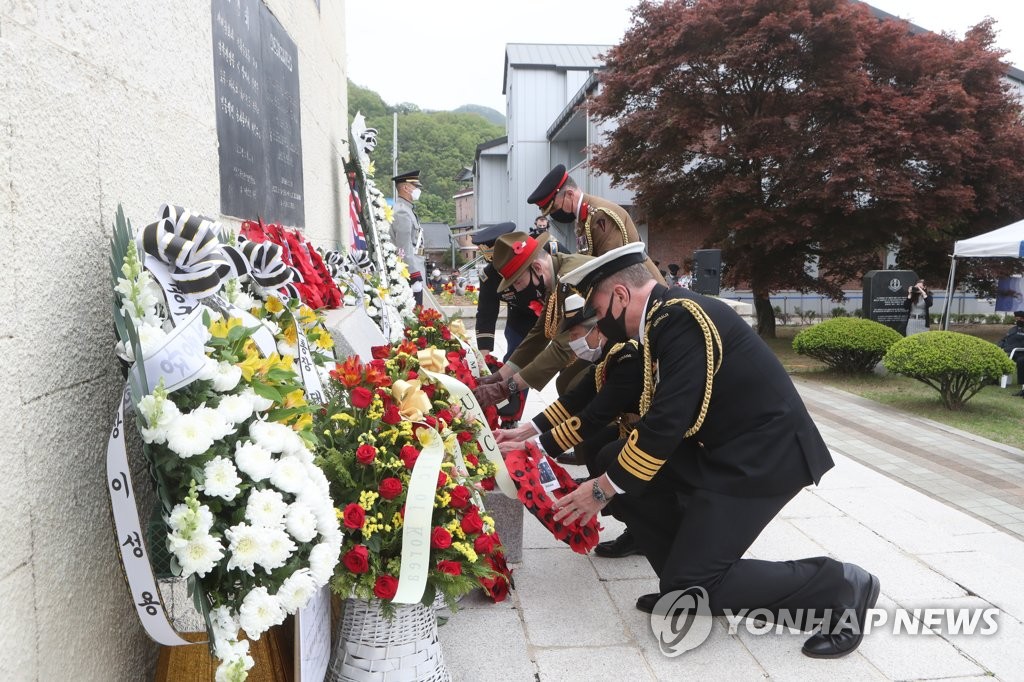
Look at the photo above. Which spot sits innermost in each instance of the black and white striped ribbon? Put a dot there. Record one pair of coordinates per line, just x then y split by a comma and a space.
190, 247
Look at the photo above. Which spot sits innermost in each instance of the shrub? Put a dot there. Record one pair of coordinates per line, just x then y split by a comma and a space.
846, 344
839, 311
995, 318
954, 364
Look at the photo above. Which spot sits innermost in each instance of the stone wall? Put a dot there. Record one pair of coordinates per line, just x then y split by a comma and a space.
105, 102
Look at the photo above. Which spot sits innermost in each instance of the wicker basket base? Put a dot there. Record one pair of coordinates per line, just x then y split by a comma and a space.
370, 648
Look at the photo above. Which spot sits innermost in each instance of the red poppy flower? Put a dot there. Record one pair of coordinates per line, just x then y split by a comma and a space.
537, 307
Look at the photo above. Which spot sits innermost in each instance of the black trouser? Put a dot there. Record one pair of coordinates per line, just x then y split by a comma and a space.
697, 538
1018, 357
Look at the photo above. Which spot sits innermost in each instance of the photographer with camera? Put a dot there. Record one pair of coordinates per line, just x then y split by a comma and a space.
918, 303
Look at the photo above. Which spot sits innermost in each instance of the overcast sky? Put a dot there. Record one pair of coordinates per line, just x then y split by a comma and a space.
440, 54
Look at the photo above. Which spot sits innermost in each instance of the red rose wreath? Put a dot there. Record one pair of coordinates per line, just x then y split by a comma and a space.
522, 468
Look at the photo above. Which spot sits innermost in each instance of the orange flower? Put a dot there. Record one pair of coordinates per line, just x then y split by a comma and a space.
349, 373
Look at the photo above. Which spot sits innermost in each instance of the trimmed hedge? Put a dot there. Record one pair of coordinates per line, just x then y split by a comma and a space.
954, 364
847, 344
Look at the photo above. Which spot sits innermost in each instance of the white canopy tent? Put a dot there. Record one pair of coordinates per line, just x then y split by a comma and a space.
1006, 242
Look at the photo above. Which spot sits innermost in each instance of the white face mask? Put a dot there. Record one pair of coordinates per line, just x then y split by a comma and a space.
583, 350
416, 194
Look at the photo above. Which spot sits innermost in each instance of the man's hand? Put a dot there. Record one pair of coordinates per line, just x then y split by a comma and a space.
519, 433
579, 505
508, 446
489, 379
491, 394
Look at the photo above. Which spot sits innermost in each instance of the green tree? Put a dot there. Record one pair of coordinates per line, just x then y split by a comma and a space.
439, 143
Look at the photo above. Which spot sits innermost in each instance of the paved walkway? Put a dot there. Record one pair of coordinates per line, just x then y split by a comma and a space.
936, 513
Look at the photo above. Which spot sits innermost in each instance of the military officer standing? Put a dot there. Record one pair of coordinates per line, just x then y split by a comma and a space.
532, 272
721, 426
406, 232
600, 225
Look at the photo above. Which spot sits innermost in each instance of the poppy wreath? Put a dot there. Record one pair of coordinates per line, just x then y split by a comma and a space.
522, 468
316, 288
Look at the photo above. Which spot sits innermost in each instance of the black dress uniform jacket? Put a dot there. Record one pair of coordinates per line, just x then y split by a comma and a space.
586, 410
520, 317
756, 439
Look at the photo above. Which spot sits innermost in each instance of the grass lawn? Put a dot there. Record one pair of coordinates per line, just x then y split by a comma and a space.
993, 413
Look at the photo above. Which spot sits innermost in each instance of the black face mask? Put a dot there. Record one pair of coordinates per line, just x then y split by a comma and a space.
536, 289
562, 216
614, 328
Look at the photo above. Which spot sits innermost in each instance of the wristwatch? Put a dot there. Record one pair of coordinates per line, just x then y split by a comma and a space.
599, 494
512, 386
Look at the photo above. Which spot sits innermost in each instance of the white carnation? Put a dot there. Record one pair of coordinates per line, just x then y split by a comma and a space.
301, 453
254, 461
259, 403
266, 508
151, 336
244, 301
260, 611
220, 479
296, 590
277, 549
372, 311
289, 475
300, 522
322, 560
198, 554
228, 376
189, 435
235, 409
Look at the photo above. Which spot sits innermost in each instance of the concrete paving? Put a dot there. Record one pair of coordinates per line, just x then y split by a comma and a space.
936, 513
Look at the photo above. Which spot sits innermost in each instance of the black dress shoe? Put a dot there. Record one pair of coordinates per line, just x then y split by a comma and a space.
569, 458
838, 644
646, 602
624, 545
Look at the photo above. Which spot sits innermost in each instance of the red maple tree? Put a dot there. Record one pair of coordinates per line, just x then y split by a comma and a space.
809, 136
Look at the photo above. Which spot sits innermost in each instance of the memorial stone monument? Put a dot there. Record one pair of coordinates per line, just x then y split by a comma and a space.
884, 294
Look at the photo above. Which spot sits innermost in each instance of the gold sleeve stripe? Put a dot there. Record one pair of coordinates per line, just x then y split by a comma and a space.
556, 413
567, 435
639, 456
634, 469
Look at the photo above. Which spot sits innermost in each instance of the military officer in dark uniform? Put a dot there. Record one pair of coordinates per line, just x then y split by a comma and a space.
600, 225
520, 315
722, 425
525, 266
406, 232
541, 224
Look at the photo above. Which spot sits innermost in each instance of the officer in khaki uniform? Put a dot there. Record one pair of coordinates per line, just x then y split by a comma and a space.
525, 266
723, 443
601, 225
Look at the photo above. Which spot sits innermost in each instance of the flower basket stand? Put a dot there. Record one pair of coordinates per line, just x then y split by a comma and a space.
370, 648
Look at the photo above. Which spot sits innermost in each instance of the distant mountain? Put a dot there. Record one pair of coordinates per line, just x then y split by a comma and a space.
492, 115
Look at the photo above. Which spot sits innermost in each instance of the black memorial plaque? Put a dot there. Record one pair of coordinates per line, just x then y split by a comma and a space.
283, 141
256, 85
884, 294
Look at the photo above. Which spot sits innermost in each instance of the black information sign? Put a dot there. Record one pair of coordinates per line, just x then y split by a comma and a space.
256, 85
885, 292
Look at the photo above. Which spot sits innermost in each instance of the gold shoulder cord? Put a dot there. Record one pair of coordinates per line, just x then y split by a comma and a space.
601, 372
552, 318
615, 219
712, 341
